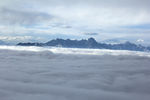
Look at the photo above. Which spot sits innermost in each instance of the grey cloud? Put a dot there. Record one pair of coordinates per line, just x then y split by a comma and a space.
100, 3
11, 17
88, 12
61, 25
91, 33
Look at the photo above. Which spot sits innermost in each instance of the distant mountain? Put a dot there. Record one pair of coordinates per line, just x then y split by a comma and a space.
2, 42
90, 43
31, 44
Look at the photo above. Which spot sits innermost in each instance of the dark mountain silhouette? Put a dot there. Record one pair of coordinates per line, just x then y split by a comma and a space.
31, 44
90, 43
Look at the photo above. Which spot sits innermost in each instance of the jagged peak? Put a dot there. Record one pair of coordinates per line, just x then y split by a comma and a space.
91, 39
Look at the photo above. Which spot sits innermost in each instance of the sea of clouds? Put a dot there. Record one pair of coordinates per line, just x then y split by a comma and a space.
82, 51
39, 73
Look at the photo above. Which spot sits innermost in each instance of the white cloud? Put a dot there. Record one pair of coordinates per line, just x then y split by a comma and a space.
140, 40
11, 38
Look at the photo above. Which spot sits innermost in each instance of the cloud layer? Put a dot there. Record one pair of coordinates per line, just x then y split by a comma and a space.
28, 75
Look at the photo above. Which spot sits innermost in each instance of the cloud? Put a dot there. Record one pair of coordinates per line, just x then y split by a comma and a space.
109, 18
91, 33
90, 12
32, 74
18, 17
10, 38
100, 12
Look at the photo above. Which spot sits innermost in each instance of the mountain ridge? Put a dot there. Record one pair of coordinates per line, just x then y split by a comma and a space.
89, 43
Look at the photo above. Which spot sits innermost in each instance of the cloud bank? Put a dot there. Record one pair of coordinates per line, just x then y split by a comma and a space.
76, 51
29, 75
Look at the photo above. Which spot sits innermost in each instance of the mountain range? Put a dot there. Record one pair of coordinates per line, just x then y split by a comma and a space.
89, 43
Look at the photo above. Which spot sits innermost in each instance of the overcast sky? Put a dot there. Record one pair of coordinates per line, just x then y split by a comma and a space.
46, 19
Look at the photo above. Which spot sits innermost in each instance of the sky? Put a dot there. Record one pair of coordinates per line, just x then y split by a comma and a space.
43, 20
